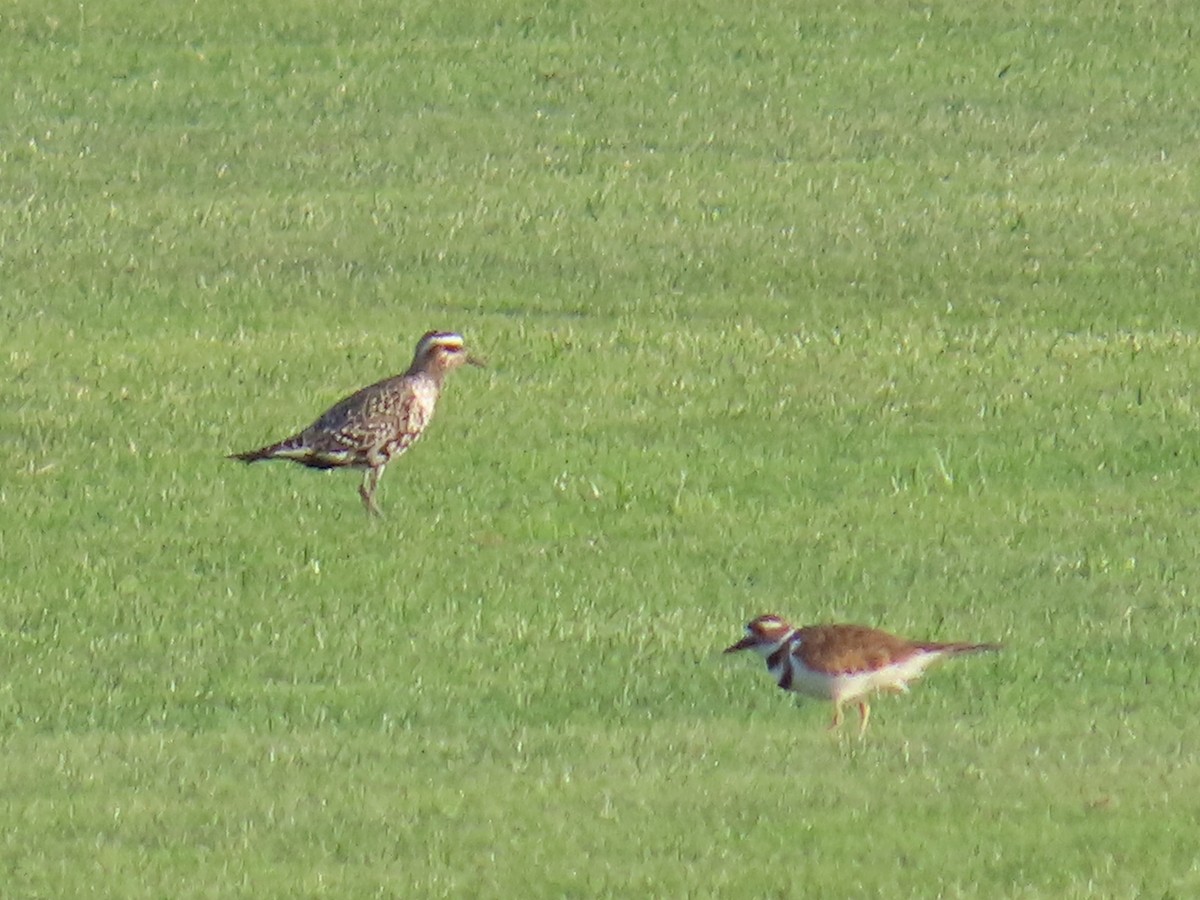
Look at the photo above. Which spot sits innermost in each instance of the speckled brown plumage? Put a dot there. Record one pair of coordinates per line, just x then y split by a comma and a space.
377, 423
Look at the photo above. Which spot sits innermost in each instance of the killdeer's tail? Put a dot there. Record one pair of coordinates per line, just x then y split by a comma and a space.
955, 649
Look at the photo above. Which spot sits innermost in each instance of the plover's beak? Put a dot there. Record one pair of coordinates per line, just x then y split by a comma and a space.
744, 644
476, 361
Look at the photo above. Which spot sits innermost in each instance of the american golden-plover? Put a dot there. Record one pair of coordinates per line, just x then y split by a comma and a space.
842, 663
372, 426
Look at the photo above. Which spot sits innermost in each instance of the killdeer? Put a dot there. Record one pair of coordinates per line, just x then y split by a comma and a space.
377, 423
842, 663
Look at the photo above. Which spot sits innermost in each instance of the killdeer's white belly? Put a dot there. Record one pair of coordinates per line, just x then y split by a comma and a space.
848, 686
824, 686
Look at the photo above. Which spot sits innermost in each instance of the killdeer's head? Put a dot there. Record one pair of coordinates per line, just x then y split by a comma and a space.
765, 635
441, 351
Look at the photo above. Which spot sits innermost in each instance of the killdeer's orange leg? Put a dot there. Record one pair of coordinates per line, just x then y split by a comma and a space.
837, 716
864, 710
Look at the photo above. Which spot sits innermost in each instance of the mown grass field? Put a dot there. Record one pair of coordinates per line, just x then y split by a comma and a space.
879, 312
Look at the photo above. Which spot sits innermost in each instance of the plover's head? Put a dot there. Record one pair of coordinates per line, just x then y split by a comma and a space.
763, 635
442, 351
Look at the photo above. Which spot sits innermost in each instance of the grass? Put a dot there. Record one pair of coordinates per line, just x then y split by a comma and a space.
879, 312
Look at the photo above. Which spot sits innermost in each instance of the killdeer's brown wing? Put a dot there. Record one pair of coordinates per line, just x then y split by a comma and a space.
955, 647
847, 649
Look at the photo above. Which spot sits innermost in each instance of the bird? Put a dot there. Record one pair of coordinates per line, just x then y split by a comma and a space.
843, 663
374, 425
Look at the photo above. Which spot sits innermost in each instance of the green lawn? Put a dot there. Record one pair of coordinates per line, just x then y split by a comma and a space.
871, 312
